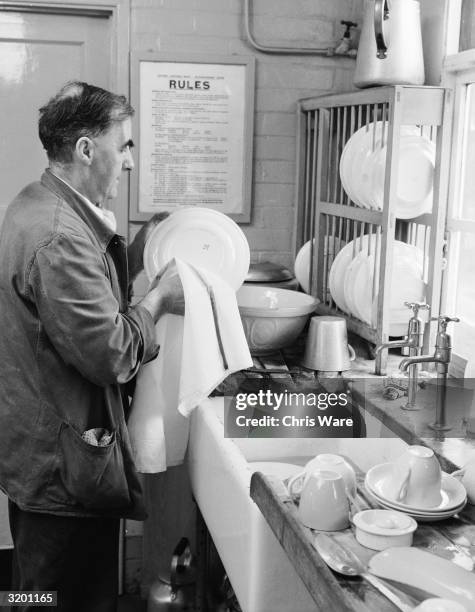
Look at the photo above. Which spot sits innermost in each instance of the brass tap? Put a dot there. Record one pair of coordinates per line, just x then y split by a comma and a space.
413, 342
441, 358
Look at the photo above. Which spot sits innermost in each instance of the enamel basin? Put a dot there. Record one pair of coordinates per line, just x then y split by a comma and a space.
220, 471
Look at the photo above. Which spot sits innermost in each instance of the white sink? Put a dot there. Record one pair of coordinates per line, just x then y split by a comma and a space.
258, 568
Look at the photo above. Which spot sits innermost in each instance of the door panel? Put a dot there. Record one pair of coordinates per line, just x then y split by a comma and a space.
38, 54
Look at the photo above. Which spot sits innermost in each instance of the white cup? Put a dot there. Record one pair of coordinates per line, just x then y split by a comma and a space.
416, 478
467, 477
324, 503
326, 461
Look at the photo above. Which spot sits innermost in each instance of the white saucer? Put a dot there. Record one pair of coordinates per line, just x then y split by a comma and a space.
420, 516
203, 237
453, 492
412, 509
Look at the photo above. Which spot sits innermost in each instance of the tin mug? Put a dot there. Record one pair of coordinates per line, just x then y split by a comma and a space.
327, 347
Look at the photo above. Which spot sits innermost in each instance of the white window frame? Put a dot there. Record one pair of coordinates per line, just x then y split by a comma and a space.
458, 72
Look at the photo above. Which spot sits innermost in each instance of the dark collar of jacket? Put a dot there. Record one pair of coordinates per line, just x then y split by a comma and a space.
101, 231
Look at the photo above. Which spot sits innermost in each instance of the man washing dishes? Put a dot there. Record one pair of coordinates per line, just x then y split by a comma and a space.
69, 343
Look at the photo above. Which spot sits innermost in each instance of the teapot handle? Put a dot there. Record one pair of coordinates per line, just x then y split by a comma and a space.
182, 550
381, 13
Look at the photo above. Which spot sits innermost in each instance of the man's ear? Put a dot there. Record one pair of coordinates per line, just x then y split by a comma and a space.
85, 150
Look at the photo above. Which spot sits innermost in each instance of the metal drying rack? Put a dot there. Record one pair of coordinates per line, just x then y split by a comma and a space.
325, 212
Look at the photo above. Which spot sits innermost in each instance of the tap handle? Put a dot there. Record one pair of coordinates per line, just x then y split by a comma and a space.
416, 306
444, 320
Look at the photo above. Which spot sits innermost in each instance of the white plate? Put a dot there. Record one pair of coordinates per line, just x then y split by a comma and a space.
378, 478
407, 285
358, 281
333, 244
423, 570
372, 156
415, 176
363, 169
365, 178
421, 516
302, 266
203, 237
351, 153
351, 281
338, 270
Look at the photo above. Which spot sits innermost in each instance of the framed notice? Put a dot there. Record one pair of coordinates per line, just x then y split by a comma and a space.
194, 130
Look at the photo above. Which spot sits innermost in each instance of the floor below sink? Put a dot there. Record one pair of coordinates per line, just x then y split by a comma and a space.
131, 603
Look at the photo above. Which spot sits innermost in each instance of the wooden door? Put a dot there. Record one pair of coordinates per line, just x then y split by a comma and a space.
39, 52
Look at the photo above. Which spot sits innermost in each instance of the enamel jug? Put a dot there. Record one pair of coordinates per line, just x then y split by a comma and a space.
390, 47
177, 593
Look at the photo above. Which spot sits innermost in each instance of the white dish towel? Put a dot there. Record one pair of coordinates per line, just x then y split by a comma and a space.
197, 352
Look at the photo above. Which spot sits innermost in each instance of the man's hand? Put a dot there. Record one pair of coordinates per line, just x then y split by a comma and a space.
165, 294
136, 247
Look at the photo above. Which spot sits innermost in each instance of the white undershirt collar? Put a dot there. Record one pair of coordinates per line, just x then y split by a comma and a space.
107, 216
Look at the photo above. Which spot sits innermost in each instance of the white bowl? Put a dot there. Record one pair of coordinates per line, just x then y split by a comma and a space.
272, 317
381, 529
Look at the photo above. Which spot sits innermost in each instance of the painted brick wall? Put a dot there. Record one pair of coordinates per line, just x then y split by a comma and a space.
215, 27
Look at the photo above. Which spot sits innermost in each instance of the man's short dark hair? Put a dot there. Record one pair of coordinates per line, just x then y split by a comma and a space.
79, 109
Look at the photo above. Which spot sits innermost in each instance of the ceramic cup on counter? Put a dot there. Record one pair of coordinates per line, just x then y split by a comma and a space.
467, 477
416, 479
325, 461
327, 347
324, 503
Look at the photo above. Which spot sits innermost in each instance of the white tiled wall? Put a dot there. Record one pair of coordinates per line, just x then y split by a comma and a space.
215, 27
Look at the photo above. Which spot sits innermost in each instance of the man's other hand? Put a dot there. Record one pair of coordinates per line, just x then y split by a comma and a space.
136, 247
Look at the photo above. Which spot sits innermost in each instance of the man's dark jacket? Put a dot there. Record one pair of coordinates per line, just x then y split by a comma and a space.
69, 341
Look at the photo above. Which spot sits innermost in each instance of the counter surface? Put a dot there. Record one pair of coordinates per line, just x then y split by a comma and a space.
452, 539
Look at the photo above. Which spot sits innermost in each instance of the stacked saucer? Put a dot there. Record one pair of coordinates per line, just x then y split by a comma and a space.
379, 484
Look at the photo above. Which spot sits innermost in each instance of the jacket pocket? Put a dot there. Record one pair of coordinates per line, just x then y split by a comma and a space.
92, 476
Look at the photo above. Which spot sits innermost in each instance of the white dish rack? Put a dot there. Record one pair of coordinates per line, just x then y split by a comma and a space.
325, 212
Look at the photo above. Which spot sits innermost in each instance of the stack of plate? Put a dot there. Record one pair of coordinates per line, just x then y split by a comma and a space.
363, 168
352, 284
378, 485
